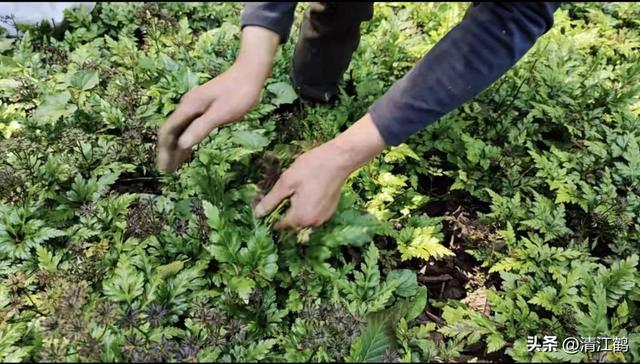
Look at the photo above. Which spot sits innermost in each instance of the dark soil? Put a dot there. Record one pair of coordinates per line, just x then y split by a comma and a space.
136, 183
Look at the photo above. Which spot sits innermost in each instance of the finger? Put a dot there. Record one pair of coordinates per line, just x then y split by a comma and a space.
295, 218
287, 222
199, 129
168, 156
178, 157
279, 192
177, 122
164, 159
170, 159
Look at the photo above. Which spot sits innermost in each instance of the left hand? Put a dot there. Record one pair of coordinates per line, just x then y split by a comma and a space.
313, 182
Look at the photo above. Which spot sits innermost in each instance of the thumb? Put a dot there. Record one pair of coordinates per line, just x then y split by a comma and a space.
279, 192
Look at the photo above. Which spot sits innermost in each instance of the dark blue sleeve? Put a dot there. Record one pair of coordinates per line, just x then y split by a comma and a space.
474, 54
275, 16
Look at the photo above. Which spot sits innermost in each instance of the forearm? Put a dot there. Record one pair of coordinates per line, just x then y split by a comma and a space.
485, 45
258, 47
264, 26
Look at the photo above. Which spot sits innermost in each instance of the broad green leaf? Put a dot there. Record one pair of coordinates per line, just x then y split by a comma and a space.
378, 336
186, 80
375, 340
6, 43
250, 139
8, 62
284, 92
8, 84
213, 214
54, 107
85, 80
168, 63
407, 282
418, 304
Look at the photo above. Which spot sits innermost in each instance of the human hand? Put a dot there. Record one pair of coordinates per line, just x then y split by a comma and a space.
314, 180
222, 100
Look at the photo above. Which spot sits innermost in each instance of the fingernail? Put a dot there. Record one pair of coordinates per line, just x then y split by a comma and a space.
162, 161
185, 142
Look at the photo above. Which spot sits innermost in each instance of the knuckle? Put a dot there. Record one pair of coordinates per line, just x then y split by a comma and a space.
192, 100
187, 98
286, 179
164, 135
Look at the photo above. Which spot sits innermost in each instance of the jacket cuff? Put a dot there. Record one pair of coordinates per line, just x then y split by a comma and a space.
381, 115
275, 16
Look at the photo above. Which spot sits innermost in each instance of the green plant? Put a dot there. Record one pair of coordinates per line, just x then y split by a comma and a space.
524, 199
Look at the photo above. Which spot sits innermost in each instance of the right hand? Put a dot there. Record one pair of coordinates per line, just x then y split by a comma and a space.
222, 100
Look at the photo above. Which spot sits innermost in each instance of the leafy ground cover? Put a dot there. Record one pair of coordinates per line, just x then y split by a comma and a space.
516, 215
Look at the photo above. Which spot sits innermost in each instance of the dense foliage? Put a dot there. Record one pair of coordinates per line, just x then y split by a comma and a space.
515, 215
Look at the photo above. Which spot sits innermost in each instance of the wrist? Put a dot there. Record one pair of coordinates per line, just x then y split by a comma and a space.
357, 145
257, 52
247, 73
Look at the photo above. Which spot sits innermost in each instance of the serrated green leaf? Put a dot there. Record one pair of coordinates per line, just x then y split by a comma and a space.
46, 260
243, 286
126, 284
495, 342
170, 269
259, 350
424, 245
